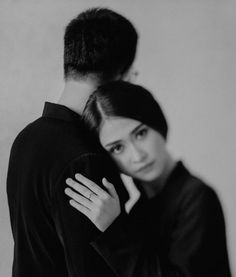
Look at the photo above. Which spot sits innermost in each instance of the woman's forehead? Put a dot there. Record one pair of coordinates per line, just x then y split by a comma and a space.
116, 128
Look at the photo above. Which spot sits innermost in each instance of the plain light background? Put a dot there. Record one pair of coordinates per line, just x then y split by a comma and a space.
186, 57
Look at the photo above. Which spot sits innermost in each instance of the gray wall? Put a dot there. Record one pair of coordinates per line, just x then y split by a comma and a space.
186, 56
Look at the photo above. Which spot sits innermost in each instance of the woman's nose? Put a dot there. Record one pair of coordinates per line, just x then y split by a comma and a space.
138, 154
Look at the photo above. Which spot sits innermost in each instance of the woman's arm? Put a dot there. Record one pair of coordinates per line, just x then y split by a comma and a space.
121, 244
197, 246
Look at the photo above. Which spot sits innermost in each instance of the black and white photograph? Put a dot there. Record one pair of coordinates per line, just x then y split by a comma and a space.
118, 138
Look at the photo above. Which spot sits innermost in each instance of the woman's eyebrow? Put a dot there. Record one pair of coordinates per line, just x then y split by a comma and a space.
112, 143
118, 141
136, 128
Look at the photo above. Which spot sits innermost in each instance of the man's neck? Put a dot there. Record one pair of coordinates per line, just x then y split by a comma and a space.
76, 93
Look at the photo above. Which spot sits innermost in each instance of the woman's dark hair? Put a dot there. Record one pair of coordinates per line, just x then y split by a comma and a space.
99, 41
123, 99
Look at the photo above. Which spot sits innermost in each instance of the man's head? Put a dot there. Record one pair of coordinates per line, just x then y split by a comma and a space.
99, 43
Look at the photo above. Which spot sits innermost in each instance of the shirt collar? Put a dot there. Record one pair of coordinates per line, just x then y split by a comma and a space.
177, 175
58, 111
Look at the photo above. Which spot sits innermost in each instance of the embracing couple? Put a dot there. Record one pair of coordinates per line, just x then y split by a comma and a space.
66, 198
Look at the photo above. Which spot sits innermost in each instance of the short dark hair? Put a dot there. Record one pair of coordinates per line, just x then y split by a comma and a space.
123, 99
99, 41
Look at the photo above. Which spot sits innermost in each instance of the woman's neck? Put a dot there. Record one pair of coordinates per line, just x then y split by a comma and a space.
154, 187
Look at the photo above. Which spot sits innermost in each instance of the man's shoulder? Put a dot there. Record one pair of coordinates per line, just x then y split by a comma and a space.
56, 139
48, 126
27, 131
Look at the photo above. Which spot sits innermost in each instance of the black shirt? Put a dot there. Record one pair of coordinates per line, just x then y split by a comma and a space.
179, 232
50, 237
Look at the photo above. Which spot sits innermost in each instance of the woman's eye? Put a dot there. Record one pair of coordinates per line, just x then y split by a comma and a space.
117, 149
141, 133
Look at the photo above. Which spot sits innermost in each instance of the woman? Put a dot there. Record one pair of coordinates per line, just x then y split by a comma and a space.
177, 227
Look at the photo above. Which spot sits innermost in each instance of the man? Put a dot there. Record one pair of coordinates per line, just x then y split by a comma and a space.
50, 238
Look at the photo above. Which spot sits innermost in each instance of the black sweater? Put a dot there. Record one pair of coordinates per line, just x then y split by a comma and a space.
180, 232
50, 237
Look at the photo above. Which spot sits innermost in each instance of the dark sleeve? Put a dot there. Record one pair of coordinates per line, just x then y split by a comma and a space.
74, 229
125, 250
197, 246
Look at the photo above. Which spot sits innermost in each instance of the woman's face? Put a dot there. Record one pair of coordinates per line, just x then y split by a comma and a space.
138, 150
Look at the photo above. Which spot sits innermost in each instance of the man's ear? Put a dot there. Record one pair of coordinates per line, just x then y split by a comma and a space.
130, 75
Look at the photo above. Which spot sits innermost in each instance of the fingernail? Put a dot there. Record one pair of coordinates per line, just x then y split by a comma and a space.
77, 175
67, 191
68, 181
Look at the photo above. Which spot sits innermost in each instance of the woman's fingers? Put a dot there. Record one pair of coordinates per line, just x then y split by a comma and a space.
99, 206
91, 185
80, 208
79, 198
79, 188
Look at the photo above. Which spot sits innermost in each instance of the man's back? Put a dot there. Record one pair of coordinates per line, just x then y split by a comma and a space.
51, 238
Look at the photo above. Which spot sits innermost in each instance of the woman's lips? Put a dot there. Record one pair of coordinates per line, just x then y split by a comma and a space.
145, 167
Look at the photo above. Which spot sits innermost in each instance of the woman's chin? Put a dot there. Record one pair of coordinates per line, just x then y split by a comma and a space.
148, 177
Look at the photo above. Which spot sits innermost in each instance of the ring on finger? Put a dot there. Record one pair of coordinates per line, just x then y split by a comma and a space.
90, 195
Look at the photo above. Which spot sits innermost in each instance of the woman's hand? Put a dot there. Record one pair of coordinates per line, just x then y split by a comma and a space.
99, 206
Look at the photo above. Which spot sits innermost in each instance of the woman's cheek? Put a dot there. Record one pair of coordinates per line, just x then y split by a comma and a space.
121, 164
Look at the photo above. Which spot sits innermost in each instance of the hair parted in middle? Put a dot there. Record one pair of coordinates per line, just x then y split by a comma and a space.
101, 42
126, 100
